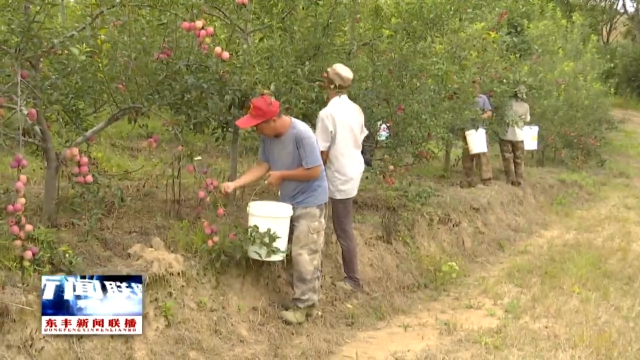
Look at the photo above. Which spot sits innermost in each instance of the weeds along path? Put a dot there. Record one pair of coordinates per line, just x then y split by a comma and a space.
570, 292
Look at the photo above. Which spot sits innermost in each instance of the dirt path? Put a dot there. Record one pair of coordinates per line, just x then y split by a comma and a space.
566, 293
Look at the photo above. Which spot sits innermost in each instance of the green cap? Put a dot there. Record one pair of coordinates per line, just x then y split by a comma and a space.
521, 91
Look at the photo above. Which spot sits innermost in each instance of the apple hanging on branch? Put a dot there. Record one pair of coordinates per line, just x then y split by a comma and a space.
204, 36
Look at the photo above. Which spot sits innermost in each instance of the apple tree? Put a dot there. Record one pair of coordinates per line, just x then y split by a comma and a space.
212, 59
419, 74
58, 86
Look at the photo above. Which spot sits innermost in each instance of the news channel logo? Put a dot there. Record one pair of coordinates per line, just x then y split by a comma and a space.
92, 304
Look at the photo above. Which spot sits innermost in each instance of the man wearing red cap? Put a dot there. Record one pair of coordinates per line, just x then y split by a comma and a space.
291, 161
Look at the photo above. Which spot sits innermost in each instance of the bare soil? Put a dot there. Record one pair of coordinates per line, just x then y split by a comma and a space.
545, 272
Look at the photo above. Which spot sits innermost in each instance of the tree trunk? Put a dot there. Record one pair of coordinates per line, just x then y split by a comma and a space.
233, 153
50, 199
541, 156
448, 147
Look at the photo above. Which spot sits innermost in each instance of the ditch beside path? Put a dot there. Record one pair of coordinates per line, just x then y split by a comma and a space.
569, 292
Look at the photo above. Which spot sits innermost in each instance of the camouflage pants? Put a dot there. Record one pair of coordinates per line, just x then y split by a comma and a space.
513, 160
470, 162
307, 241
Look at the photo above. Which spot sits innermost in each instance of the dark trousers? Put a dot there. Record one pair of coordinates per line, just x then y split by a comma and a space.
512, 153
342, 217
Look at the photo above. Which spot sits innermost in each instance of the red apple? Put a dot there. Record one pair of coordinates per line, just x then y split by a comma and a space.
32, 114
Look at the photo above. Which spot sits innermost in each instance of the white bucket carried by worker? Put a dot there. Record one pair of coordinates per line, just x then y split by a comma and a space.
530, 137
477, 141
275, 216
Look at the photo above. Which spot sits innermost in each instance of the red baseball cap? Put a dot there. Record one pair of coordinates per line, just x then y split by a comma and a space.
263, 108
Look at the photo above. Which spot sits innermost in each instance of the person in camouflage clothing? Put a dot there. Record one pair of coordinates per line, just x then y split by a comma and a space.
512, 137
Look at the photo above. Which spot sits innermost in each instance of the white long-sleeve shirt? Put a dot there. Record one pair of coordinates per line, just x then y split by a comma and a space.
340, 130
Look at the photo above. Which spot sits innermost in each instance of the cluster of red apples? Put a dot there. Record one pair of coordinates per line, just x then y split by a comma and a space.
205, 38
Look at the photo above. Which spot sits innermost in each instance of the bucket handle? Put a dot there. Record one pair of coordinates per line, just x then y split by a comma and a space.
255, 191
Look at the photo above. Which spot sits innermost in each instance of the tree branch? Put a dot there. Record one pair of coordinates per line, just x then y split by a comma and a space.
369, 42
36, 93
36, 129
8, 86
12, 107
223, 16
164, 10
115, 117
17, 137
40, 127
325, 30
263, 27
79, 29
23, 111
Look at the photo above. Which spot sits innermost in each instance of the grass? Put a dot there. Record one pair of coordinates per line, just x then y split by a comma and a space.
447, 283
575, 291
626, 103
567, 292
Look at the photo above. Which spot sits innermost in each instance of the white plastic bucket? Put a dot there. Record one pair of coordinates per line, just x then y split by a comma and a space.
530, 137
272, 215
477, 141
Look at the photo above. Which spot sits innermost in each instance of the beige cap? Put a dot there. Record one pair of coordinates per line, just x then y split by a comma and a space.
340, 75
521, 91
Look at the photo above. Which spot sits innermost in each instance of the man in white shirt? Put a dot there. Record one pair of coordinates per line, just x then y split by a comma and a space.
340, 131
